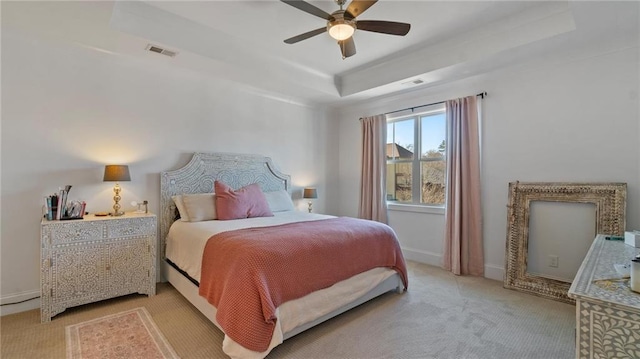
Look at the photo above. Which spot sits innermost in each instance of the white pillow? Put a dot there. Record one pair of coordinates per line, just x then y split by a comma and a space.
279, 201
200, 207
177, 199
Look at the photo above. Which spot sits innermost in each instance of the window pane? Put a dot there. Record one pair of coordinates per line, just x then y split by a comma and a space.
432, 176
399, 182
432, 173
400, 140
433, 134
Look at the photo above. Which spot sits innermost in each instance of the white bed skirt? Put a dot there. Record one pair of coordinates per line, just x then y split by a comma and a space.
297, 315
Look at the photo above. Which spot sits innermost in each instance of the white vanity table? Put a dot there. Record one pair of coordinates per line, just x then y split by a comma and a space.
607, 311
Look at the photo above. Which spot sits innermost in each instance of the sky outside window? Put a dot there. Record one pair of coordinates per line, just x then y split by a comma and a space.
403, 131
433, 132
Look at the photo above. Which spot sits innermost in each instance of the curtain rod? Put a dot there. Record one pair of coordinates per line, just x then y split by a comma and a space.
481, 94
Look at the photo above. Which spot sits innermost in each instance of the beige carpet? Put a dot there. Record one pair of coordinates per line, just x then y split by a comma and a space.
442, 316
128, 334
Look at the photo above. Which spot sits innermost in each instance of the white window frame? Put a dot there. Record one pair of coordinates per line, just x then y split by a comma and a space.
415, 205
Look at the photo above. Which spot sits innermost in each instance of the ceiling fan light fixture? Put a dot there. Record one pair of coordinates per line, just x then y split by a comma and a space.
341, 24
341, 29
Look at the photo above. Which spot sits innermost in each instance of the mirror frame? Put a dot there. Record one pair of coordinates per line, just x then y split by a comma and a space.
609, 199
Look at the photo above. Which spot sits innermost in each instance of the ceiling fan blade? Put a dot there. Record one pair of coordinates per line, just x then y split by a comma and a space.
384, 27
347, 47
357, 7
308, 8
306, 35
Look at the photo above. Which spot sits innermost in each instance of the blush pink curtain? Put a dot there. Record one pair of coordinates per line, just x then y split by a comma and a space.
463, 253
373, 202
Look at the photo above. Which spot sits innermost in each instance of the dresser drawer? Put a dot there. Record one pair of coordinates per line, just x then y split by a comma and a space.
75, 231
130, 227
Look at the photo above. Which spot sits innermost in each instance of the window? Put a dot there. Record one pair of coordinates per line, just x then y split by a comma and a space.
416, 164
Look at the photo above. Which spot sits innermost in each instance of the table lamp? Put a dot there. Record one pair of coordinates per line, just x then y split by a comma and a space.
310, 193
116, 173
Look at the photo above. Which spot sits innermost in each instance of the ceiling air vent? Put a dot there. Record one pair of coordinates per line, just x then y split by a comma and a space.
162, 51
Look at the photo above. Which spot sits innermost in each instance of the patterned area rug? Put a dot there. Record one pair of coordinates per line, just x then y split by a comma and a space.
128, 334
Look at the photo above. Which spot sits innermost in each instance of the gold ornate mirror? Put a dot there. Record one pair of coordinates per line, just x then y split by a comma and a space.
609, 200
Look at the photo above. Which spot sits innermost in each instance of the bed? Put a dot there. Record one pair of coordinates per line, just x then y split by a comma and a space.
182, 245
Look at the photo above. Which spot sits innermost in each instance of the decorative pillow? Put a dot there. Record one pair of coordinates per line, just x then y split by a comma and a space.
200, 206
246, 202
177, 199
279, 201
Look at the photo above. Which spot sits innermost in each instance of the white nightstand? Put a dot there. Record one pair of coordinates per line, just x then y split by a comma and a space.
96, 258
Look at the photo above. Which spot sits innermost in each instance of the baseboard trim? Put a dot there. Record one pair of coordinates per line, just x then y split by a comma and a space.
435, 259
493, 272
419, 255
19, 307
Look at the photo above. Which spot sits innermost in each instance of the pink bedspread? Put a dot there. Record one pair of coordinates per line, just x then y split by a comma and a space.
252, 271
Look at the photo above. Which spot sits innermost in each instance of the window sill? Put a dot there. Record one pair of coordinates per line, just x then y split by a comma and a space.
415, 208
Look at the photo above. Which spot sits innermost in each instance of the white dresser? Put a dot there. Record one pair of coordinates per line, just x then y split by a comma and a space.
96, 258
607, 311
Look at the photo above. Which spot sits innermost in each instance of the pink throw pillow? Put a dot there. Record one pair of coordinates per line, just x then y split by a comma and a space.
246, 202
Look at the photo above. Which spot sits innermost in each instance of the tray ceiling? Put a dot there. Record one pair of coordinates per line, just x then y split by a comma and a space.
242, 41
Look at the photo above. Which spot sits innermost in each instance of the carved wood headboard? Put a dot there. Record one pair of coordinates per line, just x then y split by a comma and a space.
197, 176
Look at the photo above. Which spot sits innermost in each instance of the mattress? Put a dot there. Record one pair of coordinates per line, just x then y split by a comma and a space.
186, 240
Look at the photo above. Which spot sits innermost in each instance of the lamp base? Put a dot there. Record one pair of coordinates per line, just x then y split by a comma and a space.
116, 198
309, 206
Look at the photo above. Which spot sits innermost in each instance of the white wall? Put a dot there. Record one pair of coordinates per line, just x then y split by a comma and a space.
69, 110
549, 236
568, 117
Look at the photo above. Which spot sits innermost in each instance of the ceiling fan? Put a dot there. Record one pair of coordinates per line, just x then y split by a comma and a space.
341, 24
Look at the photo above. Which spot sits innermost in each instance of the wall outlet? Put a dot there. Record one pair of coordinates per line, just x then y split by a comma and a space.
553, 261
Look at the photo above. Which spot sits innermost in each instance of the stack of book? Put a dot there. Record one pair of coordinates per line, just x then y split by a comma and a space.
57, 207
